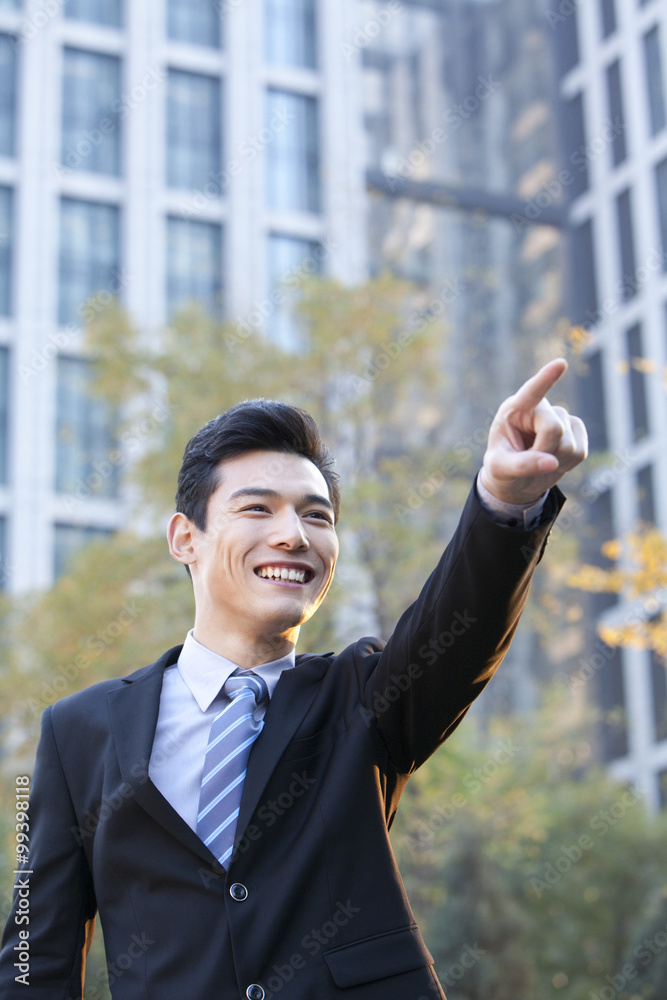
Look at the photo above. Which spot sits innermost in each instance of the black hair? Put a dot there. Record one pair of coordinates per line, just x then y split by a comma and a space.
254, 425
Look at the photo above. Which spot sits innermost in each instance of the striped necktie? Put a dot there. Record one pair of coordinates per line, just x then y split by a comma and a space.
233, 732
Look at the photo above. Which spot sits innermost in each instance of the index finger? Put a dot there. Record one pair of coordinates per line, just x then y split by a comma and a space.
535, 389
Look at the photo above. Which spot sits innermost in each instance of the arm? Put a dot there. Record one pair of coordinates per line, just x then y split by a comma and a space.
61, 902
450, 642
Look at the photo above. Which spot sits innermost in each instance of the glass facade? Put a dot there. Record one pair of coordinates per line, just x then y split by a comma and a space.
661, 197
636, 367
194, 265
654, 80
615, 100
89, 255
193, 129
4, 413
84, 436
293, 162
91, 127
291, 262
7, 96
98, 11
584, 282
575, 142
290, 33
5, 251
194, 21
68, 539
626, 244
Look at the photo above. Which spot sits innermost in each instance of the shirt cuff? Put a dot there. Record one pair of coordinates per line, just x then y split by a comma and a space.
512, 515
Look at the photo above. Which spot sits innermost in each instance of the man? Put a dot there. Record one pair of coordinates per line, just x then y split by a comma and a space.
226, 809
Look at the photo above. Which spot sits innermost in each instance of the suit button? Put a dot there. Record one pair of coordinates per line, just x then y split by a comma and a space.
255, 992
239, 893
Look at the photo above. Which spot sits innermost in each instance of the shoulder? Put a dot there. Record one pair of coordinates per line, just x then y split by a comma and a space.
90, 700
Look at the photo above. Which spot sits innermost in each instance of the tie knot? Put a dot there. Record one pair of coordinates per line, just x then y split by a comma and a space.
243, 683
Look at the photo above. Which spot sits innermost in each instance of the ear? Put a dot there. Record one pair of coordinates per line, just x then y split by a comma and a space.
180, 536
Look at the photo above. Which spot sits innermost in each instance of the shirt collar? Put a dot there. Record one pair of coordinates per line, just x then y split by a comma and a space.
205, 672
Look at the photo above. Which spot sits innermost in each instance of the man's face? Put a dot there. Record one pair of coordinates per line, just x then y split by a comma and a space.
268, 554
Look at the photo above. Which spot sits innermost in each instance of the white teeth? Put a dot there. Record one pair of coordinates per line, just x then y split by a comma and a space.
282, 573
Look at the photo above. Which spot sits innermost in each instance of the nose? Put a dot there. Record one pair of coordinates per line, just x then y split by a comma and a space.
289, 532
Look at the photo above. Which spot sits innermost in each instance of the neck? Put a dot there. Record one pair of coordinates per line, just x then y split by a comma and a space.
247, 649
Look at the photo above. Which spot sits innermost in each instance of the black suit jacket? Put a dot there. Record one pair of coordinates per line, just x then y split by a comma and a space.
318, 909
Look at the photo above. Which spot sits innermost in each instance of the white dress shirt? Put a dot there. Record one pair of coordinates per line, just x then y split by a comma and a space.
191, 698
191, 692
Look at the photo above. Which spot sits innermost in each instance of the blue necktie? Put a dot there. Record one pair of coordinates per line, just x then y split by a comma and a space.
233, 732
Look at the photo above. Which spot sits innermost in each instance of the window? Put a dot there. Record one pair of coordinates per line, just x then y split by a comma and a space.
575, 143
608, 15
87, 458
5, 251
289, 33
566, 36
584, 284
645, 495
98, 11
89, 256
69, 539
194, 265
7, 95
615, 98
293, 153
654, 80
626, 244
638, 402
661, 196
291, 261
4, 412
592, 395
193, 129
195, 21
91, 127
659, 679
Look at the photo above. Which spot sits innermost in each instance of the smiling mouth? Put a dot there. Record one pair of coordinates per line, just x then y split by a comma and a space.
282, 573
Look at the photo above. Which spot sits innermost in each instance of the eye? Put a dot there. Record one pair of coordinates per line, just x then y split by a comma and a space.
320, 515
256, 507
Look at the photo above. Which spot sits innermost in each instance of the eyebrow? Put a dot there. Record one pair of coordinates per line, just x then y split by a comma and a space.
262, 491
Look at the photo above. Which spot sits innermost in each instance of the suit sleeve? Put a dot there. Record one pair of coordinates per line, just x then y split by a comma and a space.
449, 643
57, 896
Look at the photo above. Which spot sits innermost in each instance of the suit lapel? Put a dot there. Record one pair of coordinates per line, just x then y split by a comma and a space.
134, 712
293, 696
